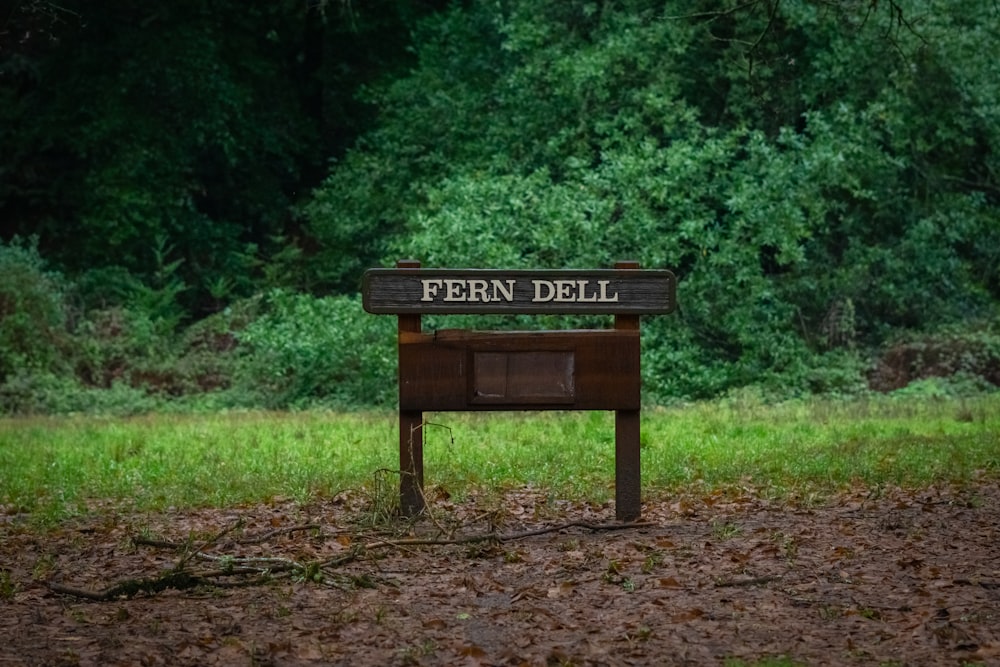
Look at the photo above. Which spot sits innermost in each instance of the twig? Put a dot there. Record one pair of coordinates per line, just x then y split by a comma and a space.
129, 588
351, 556
272, 563
280, 531
990, 585
176, 579
160, 544
181, 578
510, 537
577, 524
207, 543
754, 581
258, 539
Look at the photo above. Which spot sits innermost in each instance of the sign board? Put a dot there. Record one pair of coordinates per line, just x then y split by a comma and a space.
470, 291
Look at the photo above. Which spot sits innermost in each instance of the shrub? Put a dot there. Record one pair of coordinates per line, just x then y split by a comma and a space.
46, 393
32, 312
308, 351
969, 356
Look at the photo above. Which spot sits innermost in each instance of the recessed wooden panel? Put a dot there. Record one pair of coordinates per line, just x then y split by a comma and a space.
544, 370
522, 377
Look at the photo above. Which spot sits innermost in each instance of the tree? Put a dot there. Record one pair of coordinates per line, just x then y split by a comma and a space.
198, 127
818, 173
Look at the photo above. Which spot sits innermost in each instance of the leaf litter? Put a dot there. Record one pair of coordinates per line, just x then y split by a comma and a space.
869, 576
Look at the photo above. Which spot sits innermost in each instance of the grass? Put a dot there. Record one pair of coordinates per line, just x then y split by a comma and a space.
794, 446
156, 462
54, 467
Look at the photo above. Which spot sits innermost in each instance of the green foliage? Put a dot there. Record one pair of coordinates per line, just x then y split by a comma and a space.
111, 342
75, 347
163, 145
155, 297
307, 351
201, 125
54, 359
50, 394
818, 174
32, 313
369, 195
957, 385
821, 175
126, 353
957, 360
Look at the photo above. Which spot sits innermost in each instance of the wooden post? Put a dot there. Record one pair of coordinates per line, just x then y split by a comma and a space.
411, 430
628, 498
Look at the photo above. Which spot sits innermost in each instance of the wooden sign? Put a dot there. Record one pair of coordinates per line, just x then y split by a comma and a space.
464, 370
470, 291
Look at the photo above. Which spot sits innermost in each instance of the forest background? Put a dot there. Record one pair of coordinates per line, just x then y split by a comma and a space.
190, 191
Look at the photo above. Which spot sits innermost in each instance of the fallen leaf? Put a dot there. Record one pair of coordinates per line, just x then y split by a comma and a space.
689, 615
472, 651
562, 590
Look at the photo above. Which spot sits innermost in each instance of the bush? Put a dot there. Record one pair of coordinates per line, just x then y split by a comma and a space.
47, 393
32, 312
961, 384
966, 357
307, 351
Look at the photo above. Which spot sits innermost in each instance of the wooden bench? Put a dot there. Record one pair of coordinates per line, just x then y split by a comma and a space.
467, 370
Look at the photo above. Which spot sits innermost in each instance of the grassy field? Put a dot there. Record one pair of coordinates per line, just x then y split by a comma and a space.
54, 467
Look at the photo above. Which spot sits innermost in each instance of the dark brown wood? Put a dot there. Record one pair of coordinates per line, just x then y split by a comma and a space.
628, 497
411, 431
481, 291
530, 376
411, 462
592, 369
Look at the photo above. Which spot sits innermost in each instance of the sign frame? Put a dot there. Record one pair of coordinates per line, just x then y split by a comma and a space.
471, 370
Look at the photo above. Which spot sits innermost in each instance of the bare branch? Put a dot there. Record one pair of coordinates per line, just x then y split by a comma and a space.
264, 567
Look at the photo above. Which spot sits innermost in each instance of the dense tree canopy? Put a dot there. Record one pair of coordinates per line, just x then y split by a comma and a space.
189, 132
822, 175
819, 173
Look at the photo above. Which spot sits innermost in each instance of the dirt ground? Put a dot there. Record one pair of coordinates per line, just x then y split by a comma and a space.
870, 577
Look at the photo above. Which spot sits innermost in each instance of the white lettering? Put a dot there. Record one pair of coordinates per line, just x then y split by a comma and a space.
431, 288
564, 290
453, 289
506, 292
582, 296
604, 292
547, 284
477, 290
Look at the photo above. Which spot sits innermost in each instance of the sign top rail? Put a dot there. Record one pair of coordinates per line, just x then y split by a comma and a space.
497, 291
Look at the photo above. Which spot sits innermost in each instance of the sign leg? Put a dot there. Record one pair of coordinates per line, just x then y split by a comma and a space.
411, 463
628, 496
628, 501
411, 429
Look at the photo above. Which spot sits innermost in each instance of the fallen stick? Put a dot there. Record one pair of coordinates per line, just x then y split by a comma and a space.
180, 578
